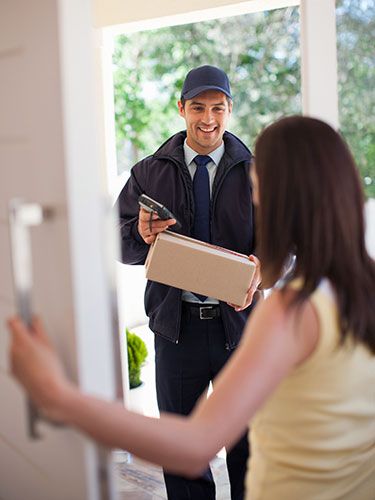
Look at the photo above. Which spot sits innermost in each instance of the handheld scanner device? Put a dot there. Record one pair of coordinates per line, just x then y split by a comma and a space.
153, 206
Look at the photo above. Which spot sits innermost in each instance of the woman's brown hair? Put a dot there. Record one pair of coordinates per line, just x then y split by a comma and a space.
311, 205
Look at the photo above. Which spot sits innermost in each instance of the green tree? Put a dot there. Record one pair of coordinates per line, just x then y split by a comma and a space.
260, 53
356, 76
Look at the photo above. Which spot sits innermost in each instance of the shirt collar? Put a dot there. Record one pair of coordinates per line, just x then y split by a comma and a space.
215, 155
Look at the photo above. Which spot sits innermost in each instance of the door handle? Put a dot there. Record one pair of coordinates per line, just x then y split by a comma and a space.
22, 216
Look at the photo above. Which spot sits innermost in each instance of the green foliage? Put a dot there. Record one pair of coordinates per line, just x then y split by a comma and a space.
152, 66
356, 76
137, 353
260, 53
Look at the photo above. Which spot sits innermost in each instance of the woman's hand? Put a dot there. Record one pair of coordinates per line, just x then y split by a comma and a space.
255, 282
36, 366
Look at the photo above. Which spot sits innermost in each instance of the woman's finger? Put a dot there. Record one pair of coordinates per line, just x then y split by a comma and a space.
40, 331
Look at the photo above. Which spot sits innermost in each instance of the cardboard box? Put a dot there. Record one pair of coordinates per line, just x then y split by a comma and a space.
199, 267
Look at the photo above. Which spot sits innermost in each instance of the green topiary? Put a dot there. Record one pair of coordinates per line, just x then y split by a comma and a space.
137, 353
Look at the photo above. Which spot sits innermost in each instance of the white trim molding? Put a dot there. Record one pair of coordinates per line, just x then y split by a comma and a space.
319, 60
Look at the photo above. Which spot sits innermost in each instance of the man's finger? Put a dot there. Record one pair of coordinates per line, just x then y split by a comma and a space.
157, 227
144, 215
156, 224
254, 259
157, 230
150, 239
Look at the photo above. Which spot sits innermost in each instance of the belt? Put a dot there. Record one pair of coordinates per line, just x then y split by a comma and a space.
202, 312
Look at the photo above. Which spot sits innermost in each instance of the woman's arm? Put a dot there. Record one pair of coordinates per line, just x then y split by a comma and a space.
274, 342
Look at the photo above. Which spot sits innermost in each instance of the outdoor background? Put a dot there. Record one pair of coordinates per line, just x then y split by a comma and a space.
260, 53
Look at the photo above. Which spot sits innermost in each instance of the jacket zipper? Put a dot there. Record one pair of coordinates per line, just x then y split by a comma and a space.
188, 191
191, 209
179, 318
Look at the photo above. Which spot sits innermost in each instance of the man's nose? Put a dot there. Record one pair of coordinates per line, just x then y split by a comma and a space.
207, 116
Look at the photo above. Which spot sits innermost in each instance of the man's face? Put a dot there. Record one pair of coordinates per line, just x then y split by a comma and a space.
206, 117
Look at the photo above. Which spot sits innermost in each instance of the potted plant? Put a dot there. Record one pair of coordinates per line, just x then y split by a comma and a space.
137, 353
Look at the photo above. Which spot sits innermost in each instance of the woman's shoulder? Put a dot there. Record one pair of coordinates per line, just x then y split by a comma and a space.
296, 322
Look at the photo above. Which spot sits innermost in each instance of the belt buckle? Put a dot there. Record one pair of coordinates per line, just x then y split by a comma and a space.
203, 308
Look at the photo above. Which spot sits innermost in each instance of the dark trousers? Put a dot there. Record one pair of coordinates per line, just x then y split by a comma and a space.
183, 373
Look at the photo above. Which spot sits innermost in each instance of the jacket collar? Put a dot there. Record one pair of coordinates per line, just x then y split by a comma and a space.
235, 149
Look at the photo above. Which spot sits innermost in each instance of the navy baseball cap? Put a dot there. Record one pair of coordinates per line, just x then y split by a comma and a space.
205, 78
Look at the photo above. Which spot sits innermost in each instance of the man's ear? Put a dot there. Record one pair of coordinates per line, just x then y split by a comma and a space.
181, 109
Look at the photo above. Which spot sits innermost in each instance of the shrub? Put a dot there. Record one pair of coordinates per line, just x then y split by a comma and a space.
137, 353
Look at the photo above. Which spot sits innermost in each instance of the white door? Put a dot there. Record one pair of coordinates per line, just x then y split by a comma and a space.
48, 157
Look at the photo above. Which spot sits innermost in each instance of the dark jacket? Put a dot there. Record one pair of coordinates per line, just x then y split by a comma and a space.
165, 177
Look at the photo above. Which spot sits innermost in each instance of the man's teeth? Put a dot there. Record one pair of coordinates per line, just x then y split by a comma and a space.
207, 129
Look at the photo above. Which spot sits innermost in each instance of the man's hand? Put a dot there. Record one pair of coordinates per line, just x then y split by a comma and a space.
255, 282
149, 225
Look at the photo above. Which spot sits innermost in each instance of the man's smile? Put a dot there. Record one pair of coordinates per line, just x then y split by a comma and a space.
207, 129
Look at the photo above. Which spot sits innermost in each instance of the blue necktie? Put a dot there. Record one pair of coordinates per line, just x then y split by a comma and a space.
201, 190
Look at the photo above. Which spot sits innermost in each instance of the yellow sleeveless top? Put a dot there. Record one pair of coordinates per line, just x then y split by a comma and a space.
314, 439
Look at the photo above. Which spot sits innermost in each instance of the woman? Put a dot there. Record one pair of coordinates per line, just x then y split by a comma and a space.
304, 372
